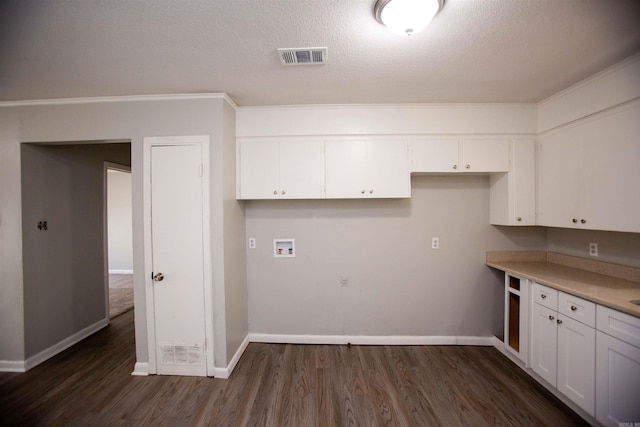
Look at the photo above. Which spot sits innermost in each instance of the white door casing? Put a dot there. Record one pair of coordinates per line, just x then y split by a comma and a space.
179, 307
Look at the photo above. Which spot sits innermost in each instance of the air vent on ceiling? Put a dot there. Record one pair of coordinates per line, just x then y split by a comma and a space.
303, 56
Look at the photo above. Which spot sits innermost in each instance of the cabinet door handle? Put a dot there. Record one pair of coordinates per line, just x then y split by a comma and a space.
362, 191
543, 296
583, 221
559, 322
574, 220
455, 166
574, 308
551, 317
283, 192
371, 191
275, 192
468, 166
519, 218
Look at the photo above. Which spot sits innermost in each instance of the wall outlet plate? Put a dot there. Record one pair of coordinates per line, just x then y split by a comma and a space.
593, 249
435, 243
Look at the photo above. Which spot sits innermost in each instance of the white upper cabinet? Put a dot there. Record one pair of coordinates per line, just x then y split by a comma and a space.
438, 155
485, 155
280, 170
371, 168
589, 174
512, 195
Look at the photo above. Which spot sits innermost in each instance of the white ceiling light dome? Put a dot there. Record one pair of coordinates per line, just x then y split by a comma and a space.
406, 17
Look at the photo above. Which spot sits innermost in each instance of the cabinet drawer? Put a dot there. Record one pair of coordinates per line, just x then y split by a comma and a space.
545, 296
619, 325
577, 308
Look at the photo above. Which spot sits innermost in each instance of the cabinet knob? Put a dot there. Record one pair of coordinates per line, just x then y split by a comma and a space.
519, 219
283, 192
551, 317
543, 296
583, 221
574, 308
455, 166
574, 220
468, 166
362, 191
371, 191
559, 322
275, 192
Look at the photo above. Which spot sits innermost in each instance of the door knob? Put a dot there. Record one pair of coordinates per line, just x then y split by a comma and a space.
159, 277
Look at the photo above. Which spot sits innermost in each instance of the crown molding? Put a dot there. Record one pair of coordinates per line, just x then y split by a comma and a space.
589, 80
127, 98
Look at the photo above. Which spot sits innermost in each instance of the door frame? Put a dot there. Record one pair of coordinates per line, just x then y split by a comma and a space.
105, 209
203, 142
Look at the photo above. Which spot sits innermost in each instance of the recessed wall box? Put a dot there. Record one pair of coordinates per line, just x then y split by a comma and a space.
284, 248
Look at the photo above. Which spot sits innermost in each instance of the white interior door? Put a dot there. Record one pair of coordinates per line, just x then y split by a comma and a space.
178, 259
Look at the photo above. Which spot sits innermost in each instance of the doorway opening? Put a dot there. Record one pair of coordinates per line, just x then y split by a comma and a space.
119, 239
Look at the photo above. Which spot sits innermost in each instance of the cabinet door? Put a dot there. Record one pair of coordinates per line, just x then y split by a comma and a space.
259, 170
485, 155
345, 169
559, 178
512, 194
576, 362
388, 169
301, 170
617, 381
610, 199
544, 343
435, 155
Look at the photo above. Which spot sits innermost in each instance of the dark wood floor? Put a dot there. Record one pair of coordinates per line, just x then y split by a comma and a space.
279, 385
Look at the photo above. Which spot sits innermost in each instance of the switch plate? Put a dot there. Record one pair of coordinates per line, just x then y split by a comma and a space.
593, 249
252, 242
344, 281
435, 243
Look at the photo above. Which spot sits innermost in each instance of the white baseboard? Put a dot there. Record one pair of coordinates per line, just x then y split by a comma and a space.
141, 369
120, 271
226, 372
370, 339
48, 353
12, 366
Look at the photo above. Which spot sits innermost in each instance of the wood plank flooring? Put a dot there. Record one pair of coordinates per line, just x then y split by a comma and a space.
282, 385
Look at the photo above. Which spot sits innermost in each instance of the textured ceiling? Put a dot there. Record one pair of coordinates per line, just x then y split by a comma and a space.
516, 51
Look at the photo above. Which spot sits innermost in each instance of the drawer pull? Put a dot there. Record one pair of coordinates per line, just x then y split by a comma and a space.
551, 317
574, 308
543, 296
559, 322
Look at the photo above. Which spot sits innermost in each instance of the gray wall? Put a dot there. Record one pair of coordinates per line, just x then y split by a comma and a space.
617, 248
64, 277
102, 120
235, 268
398, 284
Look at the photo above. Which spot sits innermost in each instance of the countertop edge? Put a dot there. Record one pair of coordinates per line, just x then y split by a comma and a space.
556, 283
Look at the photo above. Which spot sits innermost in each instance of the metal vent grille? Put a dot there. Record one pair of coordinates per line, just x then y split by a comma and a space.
303, 56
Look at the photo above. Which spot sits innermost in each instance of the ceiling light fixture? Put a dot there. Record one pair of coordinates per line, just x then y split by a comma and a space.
406, 17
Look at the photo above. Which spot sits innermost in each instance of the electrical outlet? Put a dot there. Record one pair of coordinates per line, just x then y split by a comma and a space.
593, 249
435, 243
344, 281
252, 242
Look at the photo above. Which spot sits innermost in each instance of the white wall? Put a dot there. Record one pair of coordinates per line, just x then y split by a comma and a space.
104, 119
119, 214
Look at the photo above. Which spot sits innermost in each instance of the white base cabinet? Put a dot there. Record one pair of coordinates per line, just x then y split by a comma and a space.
617, 368
563, 348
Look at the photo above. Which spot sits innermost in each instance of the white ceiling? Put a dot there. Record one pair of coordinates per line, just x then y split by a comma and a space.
515, 51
